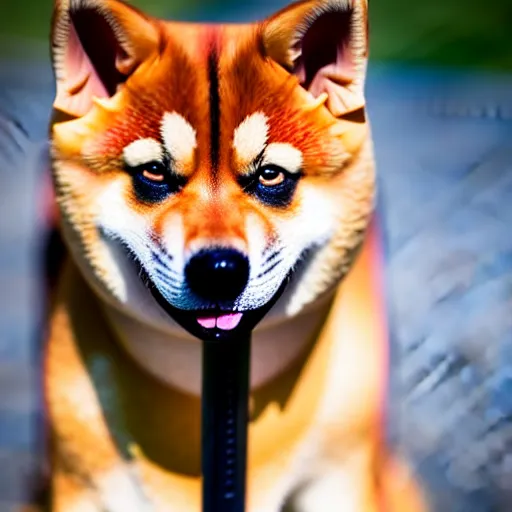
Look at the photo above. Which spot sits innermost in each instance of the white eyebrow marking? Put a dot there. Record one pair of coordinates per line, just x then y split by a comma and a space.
142, 151
179, 138
250, 138
284, 155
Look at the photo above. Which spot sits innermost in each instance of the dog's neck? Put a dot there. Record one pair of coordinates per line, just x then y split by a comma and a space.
176, 360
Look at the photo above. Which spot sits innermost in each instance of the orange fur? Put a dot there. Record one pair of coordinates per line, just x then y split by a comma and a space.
125, 426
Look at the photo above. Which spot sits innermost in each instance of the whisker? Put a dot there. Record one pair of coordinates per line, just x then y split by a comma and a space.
158, 249
168, 280
171, 289
164, 268
272, 270
269, 269
272, 257
167, 274
258, 284
162, 257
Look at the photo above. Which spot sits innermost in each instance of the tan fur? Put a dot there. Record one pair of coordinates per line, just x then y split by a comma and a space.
126, 436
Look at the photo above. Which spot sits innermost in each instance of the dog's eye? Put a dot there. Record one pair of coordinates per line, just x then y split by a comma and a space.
271, 184
154, 171
154, 181
271, 175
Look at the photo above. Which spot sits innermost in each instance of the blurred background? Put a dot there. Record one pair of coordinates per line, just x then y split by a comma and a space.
440, 99
437, 32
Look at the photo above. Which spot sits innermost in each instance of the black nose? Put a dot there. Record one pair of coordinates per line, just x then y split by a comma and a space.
218, 274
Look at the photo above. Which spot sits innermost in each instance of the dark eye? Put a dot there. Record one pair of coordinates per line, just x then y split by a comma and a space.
154, 181
270, 176
272, 185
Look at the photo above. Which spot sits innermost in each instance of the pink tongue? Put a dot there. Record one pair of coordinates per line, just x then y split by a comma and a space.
223, 322
207, 322
228, 322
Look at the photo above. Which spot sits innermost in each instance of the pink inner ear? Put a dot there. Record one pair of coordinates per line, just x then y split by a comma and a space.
90, 58
326, 62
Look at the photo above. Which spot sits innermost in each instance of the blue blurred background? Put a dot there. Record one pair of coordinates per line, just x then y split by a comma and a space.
440, 99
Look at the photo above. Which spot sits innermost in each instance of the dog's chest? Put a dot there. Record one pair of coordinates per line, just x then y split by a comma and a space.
109, 414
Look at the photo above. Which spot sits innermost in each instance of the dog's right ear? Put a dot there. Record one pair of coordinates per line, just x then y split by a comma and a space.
96, 46
325, 44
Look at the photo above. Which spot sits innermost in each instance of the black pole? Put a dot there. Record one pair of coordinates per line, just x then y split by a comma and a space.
225, 415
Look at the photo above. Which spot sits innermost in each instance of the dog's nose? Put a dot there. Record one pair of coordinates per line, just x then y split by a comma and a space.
217, 274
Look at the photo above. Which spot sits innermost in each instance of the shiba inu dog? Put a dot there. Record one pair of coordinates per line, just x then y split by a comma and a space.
203, 173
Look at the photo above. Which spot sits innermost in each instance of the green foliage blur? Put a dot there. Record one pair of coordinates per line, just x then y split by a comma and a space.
435, 32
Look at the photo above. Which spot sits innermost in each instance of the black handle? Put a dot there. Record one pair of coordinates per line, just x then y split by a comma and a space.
225, 414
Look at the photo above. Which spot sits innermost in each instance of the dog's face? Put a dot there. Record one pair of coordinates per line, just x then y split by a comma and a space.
209, 164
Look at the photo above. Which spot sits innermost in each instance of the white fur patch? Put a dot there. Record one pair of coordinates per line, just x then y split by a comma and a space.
173, 239
256, 242
142, 151
250, 138
121, 492
122, 224
179, 137
312, 227
283, 155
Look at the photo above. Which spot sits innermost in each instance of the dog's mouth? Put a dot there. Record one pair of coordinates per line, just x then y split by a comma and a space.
216, 324
211, 323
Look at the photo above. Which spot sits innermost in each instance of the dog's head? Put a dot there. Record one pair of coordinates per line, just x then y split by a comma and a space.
210, 164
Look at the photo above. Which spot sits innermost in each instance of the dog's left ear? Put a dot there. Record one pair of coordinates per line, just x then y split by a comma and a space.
325, 44
96, 46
